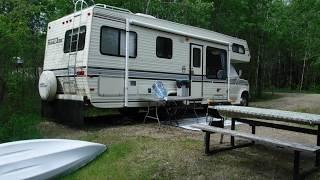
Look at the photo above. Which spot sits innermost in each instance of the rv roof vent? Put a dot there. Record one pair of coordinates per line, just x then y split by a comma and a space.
146, 15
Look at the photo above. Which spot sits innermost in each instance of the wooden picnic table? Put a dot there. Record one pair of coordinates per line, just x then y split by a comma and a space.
268, 118
268, 114
155, 103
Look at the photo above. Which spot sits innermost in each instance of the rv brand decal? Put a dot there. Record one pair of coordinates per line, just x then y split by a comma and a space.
54, 41
43, 85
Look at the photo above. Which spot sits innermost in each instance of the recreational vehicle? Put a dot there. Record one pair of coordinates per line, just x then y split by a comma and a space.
108, 57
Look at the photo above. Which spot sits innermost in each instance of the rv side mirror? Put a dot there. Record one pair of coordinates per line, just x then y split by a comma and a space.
240, 73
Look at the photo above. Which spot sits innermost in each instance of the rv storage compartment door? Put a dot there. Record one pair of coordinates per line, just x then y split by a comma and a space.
111, 86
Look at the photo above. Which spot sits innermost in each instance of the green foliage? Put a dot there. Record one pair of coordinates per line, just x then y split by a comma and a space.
191, 12
22, 34
280, 34
19, 115
20, 126
316, 88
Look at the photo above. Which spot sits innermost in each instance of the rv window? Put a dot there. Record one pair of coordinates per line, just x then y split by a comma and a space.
71, 39
164, 47
216, 63
196, 57
109, 41
237, 48
132, 44
113, 42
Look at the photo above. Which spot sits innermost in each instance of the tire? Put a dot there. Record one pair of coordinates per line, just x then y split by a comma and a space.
244, 99
66, 112
129, 112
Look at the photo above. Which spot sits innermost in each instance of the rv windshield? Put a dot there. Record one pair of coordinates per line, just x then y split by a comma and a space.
216, 63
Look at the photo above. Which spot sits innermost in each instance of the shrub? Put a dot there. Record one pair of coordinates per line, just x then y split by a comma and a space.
316, 88
20, 112
20, 126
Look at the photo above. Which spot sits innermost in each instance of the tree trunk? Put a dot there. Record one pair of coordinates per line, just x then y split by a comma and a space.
279, 70
257, 71
290, 68
2, 85
147, 8
303, 69
270, 78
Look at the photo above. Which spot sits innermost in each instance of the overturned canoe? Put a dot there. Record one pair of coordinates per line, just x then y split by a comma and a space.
45, 158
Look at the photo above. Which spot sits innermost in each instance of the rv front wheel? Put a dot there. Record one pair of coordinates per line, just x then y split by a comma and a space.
244, 99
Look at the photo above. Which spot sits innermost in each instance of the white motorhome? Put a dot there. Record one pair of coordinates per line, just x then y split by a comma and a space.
109, 57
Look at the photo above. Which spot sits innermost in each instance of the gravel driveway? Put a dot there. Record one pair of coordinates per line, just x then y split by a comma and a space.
309, 103
293, 102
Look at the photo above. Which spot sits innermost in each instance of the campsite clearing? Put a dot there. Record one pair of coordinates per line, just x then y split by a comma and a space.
143, 151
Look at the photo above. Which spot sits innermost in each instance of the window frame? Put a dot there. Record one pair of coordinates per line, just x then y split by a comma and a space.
222, 65
119, 44
164, 57
238, 46
193, 62
68, 50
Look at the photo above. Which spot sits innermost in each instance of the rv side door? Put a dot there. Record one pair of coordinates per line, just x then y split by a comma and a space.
215, 78
196, 63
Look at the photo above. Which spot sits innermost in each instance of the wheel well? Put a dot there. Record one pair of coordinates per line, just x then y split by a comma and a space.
246, 93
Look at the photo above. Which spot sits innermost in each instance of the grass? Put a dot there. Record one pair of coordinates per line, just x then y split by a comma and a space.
118, 163
146, 152
135, 157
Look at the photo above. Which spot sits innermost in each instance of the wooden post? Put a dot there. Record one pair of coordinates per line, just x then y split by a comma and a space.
318, 144
253, 131
207, 143
233, 124
296, 165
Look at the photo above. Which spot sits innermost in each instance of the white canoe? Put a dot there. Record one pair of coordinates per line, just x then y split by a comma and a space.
45, 158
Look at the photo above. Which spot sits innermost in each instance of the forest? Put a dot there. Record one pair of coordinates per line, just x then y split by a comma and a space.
283, 37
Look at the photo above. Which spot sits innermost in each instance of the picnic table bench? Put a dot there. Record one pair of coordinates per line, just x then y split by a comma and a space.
253, 116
